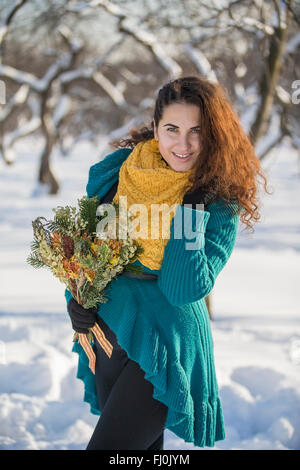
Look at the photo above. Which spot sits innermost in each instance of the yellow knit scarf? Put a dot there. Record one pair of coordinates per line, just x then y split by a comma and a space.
145, 178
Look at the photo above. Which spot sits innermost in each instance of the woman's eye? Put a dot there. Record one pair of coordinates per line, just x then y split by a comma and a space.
174, 129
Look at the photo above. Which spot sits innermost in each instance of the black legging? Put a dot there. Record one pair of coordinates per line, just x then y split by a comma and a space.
131, 419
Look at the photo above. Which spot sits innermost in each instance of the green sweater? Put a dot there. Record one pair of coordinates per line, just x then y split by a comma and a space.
164, 325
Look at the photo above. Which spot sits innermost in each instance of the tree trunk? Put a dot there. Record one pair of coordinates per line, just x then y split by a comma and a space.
270, 78
45, 174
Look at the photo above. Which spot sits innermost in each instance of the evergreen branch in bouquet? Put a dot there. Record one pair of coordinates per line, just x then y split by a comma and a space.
41, 252
64, 220
87, 212
33, 259
68, 220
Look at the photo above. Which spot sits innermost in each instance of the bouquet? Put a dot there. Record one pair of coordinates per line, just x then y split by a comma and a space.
85, 258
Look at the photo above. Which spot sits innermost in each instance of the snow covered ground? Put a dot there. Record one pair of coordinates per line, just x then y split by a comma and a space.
256, 328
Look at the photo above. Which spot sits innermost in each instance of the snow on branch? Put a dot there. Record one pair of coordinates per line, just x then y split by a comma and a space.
7, 20
28, 127
149, 40
73, 44
19, 97
109, 7
92, 73
259, 25
248, 24
201, 62
20, 77
38, 84
143, 37
115, 94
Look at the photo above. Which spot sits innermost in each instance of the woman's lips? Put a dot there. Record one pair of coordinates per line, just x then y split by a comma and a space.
181, 158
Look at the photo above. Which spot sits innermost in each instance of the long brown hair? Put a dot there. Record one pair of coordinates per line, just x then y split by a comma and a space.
228, 167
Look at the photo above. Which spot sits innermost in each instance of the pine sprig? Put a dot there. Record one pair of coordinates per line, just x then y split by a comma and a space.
34, 245
35, 261
64, 219
87, 211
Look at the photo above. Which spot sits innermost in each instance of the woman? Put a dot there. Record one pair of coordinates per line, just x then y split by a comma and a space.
161, 373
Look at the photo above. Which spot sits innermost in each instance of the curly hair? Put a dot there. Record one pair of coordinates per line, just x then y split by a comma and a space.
228, 167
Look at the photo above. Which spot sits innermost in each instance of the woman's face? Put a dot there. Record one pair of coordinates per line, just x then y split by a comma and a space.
178, 135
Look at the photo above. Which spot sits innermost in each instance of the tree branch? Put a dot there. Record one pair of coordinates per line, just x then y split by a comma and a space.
145, 38
201, 62
9, 17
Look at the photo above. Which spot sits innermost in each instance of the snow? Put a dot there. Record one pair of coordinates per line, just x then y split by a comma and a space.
255, 303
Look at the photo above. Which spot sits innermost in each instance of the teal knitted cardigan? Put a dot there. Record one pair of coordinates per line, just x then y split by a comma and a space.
164, 325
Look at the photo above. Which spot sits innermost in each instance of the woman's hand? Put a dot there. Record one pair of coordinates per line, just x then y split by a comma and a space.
192, 198
81, 318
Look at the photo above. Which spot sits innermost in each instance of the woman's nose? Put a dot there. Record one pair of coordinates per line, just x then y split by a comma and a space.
183, 143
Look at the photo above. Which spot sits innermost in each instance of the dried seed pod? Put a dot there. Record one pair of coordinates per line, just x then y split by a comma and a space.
68, 245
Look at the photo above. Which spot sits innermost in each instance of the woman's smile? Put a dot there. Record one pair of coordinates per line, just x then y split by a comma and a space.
183, 157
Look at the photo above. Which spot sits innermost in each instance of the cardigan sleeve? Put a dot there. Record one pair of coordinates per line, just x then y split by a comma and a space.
193, 261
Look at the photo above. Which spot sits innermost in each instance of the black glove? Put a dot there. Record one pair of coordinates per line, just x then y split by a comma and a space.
196, 197
199, 196
81, 318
